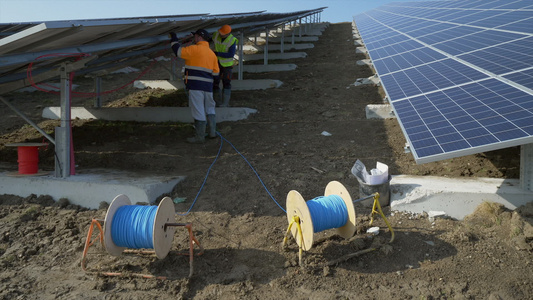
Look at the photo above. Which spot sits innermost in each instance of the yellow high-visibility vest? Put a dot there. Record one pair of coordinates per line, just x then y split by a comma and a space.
223, 46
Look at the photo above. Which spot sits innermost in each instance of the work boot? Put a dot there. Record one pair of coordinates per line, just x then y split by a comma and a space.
227, 96
199, 137
212, 125
217, 96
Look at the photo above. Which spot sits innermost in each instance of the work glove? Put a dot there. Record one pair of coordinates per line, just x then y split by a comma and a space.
173, 37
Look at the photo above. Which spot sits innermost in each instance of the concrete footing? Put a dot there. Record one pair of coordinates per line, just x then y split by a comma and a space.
374, 80
276, 47
364, 62
274, 56
457, 197
147, 114
379, 111
316, 31
91, 187
269, 68
288, 39
236, 85
361, 50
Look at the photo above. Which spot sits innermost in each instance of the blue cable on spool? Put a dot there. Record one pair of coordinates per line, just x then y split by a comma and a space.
333, 210
327, 212
139, 226
133, 225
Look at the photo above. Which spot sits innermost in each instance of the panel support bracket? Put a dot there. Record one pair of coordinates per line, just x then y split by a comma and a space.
526, 167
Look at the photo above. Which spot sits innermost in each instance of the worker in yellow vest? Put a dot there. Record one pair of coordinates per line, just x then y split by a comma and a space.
225, 46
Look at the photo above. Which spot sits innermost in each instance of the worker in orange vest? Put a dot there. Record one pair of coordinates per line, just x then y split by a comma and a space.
201, 68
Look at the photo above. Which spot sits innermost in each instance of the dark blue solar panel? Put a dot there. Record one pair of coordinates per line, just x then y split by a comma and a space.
421, 31
406, 60
455, 119
499, 60
415, 24
476, 41
381, 67
469, 16
500, 4
398, 47
455, 47
394, 49
526, 4
473, 4
439, 13
502, 19
452, 14
462, 81
521, 26
524, 78
430, 77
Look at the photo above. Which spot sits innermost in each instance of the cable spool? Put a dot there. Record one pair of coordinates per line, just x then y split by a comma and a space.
297, 206
28, 159
161, 235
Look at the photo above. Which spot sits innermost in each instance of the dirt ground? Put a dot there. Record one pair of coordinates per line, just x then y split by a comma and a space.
238, 213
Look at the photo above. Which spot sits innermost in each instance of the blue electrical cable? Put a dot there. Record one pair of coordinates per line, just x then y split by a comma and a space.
222, 139
133, 226
258, 177
327, 212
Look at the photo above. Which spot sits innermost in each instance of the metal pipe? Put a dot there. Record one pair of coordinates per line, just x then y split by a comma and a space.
364, 198
282, 37
48, 137
265, 48
174, 225
241, 54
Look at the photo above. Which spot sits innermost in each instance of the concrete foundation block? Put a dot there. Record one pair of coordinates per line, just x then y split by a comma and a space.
90, 188
456, 197
379, 111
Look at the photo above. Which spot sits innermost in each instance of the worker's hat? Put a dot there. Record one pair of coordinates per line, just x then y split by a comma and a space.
226, 29
203, 33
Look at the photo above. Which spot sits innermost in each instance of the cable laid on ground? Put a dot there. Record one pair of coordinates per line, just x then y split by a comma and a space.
222, 139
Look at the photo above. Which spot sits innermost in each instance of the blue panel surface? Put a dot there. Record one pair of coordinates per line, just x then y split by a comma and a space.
458, 74
524, 78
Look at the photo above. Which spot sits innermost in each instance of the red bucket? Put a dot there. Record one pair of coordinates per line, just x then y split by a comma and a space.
28, 159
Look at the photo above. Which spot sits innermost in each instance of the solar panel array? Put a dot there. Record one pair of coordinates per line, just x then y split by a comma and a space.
112, 43
458, 74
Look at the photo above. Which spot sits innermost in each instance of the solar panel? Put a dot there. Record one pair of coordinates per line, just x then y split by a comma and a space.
458, 74
113, 43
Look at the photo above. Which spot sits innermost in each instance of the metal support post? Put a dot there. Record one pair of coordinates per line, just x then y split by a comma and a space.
98, 89
241, 53
292, 38
62, 164
265, 49
282, 37
173, 69
526, 167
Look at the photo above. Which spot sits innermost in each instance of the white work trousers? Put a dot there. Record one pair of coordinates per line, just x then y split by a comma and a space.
201, 104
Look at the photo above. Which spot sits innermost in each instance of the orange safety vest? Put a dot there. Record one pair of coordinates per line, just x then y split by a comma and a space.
201, 65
